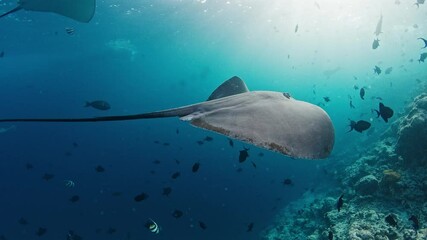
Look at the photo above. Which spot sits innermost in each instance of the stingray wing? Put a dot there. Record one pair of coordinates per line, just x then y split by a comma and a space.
269, 120
79, 10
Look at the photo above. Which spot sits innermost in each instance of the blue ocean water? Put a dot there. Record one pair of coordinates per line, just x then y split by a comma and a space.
143, 56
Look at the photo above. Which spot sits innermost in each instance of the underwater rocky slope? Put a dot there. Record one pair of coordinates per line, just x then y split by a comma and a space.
384, 190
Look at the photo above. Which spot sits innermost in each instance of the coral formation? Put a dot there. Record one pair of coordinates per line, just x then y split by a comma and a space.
382, 189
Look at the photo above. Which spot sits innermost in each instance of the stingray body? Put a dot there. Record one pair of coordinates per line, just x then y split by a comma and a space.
266, 119
79, 10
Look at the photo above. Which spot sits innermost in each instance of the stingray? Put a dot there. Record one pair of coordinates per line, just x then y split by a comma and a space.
270, 120
79, 10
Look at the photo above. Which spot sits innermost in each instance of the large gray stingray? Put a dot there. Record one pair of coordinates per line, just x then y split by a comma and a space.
79, 10
270, 120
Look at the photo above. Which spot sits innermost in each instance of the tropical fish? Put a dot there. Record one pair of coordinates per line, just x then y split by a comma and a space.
384, 112
378, 29
425, 42
41, 231
362, 93
296, 28
388, 70
230, 110
74, 198
99, 169
288, 181
423, 56
176, 175
359, 126
69, 31
22, 221
243, 155
377, 70
79, 10
416, 223
152, 226
167, 191
230, 142
98, 104
376, 43
208, 139
195, 167
250, 227
391, 220
340, 202
327, 99
48, 176
202, 225
330, 235
140, 197
177, 213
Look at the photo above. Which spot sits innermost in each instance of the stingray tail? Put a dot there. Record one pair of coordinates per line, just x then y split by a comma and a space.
11, 11
177, 112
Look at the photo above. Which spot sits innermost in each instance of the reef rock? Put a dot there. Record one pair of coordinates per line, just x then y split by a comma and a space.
412, 133
367, 185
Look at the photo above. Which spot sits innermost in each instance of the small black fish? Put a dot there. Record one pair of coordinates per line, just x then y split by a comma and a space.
177, 131
327, 99
296, 28
166, 144
253, 164
75, 144
202, 225
384, 112
239, 169
22, 221
41, 231
111, 230
243, 155
376, 43
425, 42
140, 197
351, 104
423, 57
98, 104
261, 154
388, 70
2, 237
208, 139
29, 166
355, 87
359, 126
287, 181
47, 176
167, 191
156, 161
340, 202
200, 142
377, 70
416, 223
330, 235
250, 227
69, 31
195, 167
176, 175
74, 198
1, 54
390, 220
99, 169
362, 93
177, 213
230, 142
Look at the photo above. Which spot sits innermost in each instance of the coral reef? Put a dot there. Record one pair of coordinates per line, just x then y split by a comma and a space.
382, 189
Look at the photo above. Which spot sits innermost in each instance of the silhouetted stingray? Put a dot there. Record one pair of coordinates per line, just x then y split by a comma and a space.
79, 10
266, 119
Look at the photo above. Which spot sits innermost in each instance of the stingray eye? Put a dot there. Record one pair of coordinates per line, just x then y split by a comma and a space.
287, 95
